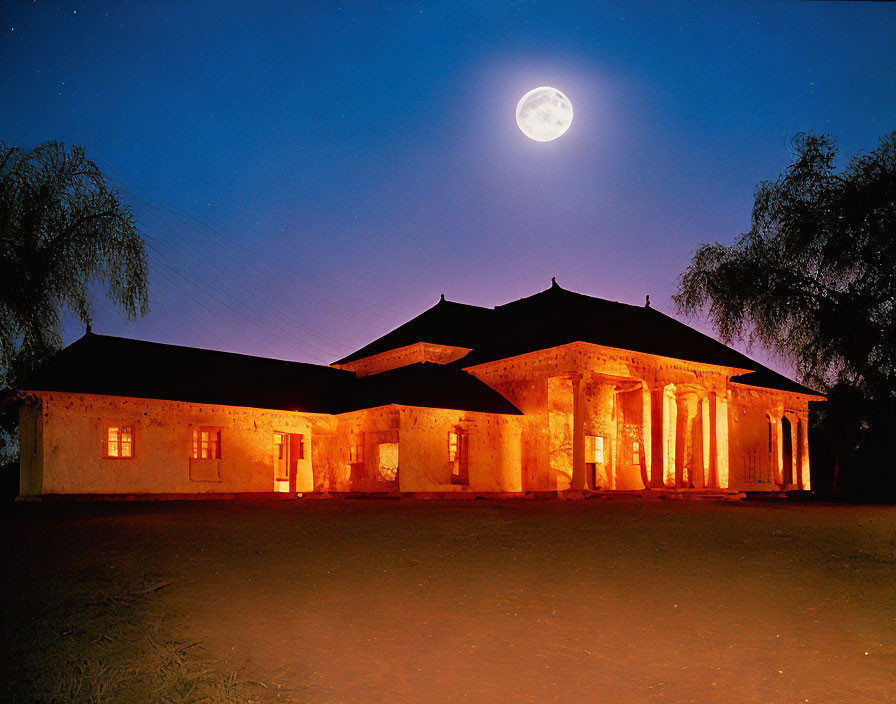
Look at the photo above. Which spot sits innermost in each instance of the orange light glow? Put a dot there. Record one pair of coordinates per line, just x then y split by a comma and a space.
387, 460
120, 441
594, 449
206, 443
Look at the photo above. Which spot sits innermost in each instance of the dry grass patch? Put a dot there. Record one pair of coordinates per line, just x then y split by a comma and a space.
101, 641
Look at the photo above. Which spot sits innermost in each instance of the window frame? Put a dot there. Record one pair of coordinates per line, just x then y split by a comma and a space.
120, 427
196, 445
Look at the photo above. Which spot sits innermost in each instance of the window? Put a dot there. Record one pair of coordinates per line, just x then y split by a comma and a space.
206, 443
636, 452
458, 456
119, 443
594, 449
387, 460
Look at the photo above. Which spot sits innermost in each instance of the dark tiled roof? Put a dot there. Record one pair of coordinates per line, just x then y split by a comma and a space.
431, 386
446, 323
114, 366
767, 379
557, 317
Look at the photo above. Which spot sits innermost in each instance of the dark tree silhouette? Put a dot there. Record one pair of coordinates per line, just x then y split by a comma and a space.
61, 230
814, 280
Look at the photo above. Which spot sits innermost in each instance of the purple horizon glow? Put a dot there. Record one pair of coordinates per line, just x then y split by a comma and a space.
311, 176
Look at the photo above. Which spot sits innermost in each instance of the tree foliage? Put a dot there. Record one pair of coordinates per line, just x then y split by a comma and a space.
62, 229
814, 279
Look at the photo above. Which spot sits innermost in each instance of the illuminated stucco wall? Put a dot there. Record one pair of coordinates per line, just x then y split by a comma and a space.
73, 433
339, 468
756, 439
560, 431
31, 447
494, 450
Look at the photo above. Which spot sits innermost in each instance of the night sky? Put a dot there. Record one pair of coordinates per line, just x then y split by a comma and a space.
309, 176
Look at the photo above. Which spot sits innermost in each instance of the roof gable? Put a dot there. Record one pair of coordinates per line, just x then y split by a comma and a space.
445, 323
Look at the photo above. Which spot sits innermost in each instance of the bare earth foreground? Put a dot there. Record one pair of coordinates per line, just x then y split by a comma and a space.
480, 601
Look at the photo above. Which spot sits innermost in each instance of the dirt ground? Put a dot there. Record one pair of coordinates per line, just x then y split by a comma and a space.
604, 600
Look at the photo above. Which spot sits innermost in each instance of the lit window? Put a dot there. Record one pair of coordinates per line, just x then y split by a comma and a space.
458, 456
387, 460
119, 442
594, 449
206, 443
279, 445
636, 452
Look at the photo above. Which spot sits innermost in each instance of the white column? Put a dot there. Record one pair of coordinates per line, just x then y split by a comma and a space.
646, 435
579, 479
805, 481
670, 428
721, 453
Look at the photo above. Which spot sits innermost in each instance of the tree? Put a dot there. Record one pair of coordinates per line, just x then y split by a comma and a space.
814, 280
62, 229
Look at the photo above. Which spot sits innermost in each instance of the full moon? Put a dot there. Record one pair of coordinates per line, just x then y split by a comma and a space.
544, 114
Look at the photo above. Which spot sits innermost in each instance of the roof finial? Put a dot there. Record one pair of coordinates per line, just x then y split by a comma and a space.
647, 302
442, 298
88, 329
554, 281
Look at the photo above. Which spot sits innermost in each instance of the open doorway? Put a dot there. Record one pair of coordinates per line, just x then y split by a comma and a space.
288, 449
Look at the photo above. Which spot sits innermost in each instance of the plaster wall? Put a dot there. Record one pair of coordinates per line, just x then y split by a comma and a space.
73, 435
366, 429
494, 451
755, 435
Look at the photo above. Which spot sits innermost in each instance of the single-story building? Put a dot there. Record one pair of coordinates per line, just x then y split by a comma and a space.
557, 391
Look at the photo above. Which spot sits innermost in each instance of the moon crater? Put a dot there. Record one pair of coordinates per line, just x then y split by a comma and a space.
543, 114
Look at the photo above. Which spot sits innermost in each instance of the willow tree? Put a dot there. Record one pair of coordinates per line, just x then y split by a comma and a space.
62, 230
814, 280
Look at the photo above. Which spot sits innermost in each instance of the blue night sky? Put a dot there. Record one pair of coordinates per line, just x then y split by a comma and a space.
309, 176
